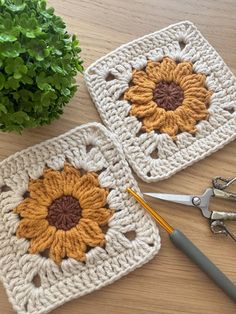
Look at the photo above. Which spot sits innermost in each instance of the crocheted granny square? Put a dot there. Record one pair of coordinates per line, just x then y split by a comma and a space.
168, 97
66, 220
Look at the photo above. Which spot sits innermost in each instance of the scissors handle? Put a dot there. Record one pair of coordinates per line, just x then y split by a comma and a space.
218, 227
223, 194
222, 183
223, 216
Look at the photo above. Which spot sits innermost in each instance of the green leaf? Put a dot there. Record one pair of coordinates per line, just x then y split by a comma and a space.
31, 69
8, 30
29, 26
2, 81
10, 50
25, 94
58, 25
65, 91
27, 80
47, 98
8, 23
79, 67
36, 49
57, 69
41, 6
15, 5
16, 67
7, 37
19, 117
48, 13
12, 83
43, 82
3, 108
16, 96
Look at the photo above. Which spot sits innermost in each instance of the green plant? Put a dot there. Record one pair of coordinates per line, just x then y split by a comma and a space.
38, 64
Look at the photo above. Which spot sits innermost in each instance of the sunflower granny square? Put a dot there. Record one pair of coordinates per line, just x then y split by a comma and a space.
169, 98
66, 220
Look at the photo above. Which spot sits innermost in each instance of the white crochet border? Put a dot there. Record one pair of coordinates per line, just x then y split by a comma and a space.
103, 266
211, 135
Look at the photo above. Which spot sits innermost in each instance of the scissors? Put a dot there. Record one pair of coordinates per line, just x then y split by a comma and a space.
216, 218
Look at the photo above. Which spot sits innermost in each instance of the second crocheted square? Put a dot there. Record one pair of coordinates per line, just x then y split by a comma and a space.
168, 97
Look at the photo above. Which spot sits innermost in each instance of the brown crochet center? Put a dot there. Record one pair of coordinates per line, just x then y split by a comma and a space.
168, 95
64, 212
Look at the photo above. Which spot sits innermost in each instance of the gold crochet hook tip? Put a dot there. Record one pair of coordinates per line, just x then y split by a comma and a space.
151, 211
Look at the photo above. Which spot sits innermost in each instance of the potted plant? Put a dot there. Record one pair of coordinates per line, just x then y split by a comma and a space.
38, 64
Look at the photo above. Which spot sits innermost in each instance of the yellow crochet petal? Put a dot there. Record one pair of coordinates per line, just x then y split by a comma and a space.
100, 215
182, 69
142, 111
141, 78
58, 248
197, 107
39, 193
138, 94
153, 71
71, 176
185, 120
58, 183
75, 246
155, 121
166, 69
48, 172
31, 228
42, 242
31, 209
170, 125
85, 184
198, 92
69, 169
95, 198
90, 232
193, 80
53, 183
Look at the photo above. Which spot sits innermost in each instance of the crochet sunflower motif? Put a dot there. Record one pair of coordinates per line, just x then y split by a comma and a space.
168, 97
63, 213
55, 198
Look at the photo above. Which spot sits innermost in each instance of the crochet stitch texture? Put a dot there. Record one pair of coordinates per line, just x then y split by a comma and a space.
63, 213
168, 97
79, 182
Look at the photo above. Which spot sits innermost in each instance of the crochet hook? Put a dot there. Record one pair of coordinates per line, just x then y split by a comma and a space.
186, 246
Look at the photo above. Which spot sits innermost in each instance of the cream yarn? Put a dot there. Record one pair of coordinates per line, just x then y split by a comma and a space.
72, 279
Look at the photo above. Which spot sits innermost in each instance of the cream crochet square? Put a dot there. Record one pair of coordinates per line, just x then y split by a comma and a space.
91, 148
154, 155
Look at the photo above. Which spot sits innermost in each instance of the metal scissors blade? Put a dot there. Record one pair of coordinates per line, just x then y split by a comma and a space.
200, 201
176, 198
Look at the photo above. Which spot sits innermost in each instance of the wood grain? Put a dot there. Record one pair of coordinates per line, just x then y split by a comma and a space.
170, 283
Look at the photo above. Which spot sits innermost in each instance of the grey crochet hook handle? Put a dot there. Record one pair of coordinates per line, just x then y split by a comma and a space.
185, 245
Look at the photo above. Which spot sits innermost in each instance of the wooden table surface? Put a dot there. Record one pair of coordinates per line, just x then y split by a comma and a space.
170, 283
